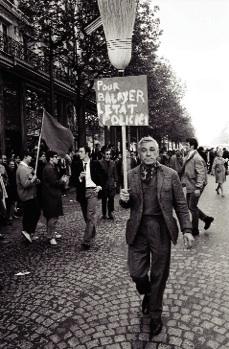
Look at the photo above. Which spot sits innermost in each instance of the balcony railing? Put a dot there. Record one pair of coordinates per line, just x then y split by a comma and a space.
16, 49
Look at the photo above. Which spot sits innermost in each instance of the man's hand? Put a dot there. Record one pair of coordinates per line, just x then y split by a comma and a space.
34, 179
65, 179
197, 193
124, 195
82, 175
98, 188
188, 240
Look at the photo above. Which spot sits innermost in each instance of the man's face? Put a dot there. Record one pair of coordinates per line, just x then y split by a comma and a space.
28, 159
149, 152
12, 164
107, 155
43, 157
187, 147
4, 159
82, 153
55, 159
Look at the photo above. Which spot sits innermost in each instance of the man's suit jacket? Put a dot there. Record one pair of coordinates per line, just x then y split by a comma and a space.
194, 172
97, 176
170, 196
110, 173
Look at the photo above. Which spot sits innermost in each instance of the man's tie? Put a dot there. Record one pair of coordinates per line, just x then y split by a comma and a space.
85, 167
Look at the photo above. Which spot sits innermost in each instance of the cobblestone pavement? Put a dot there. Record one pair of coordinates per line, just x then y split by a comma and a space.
84, 300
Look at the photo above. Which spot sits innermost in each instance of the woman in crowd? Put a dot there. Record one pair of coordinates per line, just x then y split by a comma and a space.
218, 170
52, 186
11, 191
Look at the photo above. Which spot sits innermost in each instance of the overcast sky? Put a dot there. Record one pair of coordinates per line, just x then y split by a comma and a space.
196, 42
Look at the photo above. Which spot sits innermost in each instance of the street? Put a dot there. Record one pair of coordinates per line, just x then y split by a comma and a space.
85, 299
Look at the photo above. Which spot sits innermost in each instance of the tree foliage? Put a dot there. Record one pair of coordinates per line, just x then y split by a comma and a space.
167, 116
84, 58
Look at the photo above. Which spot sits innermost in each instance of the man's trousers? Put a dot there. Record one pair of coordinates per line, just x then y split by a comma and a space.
88, 206
108, 201
51, 227
31, 215
196, 213
150, 253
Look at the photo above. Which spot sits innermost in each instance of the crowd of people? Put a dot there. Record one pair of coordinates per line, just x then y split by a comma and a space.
110, 160
156, 182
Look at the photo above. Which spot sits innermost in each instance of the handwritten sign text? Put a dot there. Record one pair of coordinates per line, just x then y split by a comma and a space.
122, 101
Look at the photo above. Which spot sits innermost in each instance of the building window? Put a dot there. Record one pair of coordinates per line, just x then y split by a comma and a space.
5, 37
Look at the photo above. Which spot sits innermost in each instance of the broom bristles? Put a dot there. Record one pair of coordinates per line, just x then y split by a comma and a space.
118, 18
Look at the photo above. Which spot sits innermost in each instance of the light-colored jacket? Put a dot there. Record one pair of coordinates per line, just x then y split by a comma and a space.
170, 196
194, 172
26, 189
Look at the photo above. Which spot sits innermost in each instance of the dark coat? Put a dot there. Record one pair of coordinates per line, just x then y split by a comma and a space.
97, 176
51, 192
12, 185
170, 196
111, 177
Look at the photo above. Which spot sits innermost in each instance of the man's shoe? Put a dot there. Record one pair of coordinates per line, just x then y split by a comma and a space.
26, 235
53, 242
155, 327
57, 235
145, 305
85, 247
104, 217
208, 222
35, 237
195, 233
111, 217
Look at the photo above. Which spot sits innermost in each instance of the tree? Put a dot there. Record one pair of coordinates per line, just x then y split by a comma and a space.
60, 28
167, 116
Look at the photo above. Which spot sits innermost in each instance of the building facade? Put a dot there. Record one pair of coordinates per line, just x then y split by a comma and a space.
25, 85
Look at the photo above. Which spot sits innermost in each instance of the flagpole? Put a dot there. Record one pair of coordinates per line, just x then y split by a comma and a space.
39, 145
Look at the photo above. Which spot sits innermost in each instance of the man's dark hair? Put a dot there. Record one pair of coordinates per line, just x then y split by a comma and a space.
28, 152
193, 142
87, 149
50, 154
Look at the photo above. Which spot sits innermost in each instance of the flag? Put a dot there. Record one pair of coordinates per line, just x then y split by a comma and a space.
57, 137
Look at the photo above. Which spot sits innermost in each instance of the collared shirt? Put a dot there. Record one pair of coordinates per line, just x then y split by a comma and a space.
88, 181
24, 164
190, 153
151, 205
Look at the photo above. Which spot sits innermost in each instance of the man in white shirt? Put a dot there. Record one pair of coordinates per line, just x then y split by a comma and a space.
89, 179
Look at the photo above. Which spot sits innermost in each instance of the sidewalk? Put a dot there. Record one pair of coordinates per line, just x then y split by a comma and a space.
84, 300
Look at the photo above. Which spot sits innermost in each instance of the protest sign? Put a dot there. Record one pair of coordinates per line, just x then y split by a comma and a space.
122, 101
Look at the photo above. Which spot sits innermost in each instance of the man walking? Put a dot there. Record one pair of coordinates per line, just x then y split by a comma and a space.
27, 191
154, 191
194, 177
89, 179
109, 186
176, 162
52, 187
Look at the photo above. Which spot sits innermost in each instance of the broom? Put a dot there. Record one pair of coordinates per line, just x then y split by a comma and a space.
118, 18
